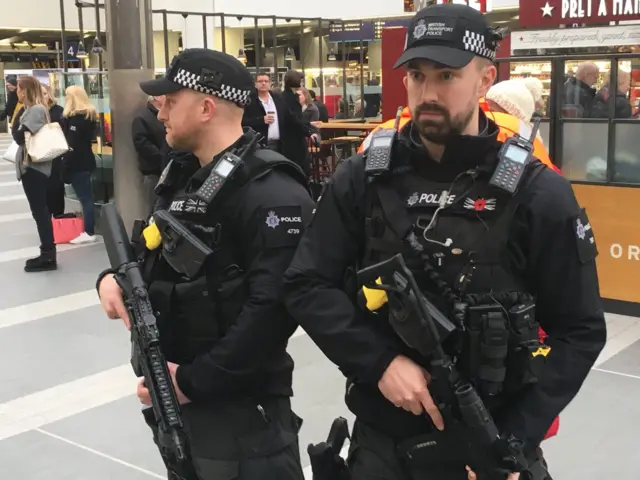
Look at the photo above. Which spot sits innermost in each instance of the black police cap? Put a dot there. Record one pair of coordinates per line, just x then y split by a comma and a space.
449, 34
206, 71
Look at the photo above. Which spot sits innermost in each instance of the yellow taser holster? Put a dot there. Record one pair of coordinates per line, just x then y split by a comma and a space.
375, 298
152, 237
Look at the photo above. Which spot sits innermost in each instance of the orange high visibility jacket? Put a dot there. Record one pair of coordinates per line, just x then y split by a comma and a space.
508, 125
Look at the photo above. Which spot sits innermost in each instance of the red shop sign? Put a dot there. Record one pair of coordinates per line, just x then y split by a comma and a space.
551, 13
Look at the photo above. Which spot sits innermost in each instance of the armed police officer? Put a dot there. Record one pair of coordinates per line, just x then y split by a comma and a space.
225, 332
499, 255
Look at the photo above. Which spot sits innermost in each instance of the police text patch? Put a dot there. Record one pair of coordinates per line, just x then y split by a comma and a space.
281, 226
586, 241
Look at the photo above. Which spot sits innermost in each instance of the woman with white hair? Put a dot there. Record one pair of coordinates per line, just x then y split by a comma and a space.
536, 88
512, 97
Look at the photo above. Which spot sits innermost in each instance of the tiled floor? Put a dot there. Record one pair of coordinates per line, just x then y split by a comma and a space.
67, 404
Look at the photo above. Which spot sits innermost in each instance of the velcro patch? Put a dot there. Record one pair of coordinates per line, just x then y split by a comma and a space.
586, 241
281, 226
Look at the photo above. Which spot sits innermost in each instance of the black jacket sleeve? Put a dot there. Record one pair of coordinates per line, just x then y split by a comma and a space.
144, 142
562, 273
253, 117
263, 326
314, 284
17, 131
294, 117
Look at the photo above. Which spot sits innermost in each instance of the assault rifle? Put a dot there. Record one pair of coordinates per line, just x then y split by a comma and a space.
148, 360
456, 398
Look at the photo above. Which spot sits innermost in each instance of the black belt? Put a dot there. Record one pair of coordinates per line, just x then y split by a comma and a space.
273, 145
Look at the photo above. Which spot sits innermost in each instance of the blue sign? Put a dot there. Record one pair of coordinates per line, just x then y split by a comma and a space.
365, 31
351, 32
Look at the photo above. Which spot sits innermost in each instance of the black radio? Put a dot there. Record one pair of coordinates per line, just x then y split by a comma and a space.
513, 158
380, 148
223, 169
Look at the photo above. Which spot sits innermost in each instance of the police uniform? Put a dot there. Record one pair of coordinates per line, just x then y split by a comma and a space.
500, 254
228, 328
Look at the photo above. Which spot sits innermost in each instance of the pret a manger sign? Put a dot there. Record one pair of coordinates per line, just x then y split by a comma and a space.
535, 13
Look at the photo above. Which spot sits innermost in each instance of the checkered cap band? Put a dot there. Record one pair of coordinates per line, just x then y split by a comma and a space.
232, 94
475, 43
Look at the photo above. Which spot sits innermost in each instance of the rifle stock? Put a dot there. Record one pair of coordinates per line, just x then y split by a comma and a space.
145, 337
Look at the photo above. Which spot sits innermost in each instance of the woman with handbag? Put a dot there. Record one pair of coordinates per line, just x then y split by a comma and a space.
36, 150
79, 125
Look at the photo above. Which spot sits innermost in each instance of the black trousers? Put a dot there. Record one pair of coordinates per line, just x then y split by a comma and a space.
35, 186
373, 456
246, 440
55, 189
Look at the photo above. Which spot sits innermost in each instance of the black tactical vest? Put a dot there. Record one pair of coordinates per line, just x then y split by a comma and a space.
193, 314
463, 228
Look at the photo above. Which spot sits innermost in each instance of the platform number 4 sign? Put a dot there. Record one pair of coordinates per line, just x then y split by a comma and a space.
72, 50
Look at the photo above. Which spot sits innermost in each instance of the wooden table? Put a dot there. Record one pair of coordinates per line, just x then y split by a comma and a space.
347, 126
348, 139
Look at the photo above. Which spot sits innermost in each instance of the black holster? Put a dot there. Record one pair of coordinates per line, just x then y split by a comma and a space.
526, 359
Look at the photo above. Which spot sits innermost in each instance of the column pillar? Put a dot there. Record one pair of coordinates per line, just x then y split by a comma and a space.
130, 61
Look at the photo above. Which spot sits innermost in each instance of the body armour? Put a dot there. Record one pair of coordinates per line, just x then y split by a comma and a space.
454, 237
193, 314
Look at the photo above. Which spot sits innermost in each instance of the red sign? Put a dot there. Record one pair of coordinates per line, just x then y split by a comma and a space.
551, 13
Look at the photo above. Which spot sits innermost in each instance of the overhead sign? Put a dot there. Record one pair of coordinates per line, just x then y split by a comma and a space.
351, 31
551, 13
575, 38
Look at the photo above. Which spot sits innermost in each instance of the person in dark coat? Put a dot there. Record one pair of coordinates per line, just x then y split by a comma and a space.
282, 128
12, 99
296, 148
322, 108
149, 141
604, 97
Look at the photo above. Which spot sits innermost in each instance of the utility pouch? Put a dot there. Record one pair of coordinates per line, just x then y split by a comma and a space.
487, 345
194, 322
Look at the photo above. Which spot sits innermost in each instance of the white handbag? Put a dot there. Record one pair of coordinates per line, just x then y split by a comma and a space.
11, 152
47, 144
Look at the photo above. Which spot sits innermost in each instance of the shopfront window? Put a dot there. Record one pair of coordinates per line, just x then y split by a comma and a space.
540, 71
585, 83
626, 158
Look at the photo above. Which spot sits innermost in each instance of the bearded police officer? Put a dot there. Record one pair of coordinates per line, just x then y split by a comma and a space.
226, 332
515, 254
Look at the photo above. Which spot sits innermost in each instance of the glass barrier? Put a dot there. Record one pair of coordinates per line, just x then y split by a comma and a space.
544, 132
627, 153
584, 151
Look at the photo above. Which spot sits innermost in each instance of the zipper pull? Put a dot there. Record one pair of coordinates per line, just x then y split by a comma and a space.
265, 417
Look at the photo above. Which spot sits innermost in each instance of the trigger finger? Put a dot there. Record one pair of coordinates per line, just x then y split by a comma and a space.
432, 410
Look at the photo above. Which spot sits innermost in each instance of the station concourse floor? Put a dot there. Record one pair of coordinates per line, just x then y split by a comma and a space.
68, 408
